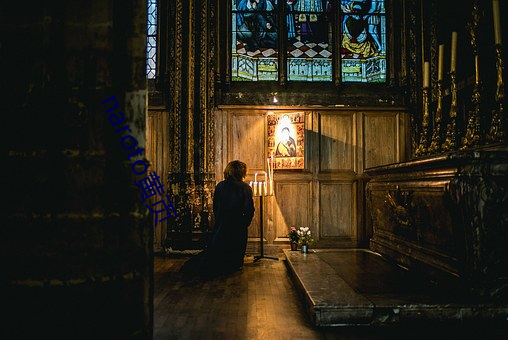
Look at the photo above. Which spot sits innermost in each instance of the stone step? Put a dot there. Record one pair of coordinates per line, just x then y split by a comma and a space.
350, 287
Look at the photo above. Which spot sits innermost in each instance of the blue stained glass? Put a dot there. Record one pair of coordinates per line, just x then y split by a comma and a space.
151, 39
254, 40
309, 31
309, 27
363, 41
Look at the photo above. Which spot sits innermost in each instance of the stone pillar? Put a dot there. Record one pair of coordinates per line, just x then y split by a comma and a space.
191, 171
75, 243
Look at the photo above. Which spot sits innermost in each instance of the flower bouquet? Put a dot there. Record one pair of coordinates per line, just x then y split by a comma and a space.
294, 238
305, 238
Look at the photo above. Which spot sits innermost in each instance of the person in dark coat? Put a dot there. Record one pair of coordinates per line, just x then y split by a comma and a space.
233, 208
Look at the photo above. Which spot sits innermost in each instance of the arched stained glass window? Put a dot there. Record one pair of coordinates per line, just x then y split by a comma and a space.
322, 39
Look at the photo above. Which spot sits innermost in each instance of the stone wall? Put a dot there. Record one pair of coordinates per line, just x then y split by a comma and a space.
75, 248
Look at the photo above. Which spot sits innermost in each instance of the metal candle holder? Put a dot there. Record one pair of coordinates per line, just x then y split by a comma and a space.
450, 142
422, 147
496, 133
435, 145
472, 136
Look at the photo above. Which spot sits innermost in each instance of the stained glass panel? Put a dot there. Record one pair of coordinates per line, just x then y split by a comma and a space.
151, 39
363, 41
309, 28
254, 40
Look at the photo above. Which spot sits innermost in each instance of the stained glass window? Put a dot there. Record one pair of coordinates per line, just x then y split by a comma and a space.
316, 33
309, 37
363, 41
151, 39
254, 40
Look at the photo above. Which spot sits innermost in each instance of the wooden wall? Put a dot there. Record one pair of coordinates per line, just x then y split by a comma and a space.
158, 152
327, 195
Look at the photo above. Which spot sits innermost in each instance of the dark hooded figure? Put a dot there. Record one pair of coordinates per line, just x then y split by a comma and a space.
233, 208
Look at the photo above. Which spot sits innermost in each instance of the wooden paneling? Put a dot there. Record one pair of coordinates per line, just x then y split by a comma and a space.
336, 142
292, 207
158, 153
336, 210
247, 140
327, 195
379, 139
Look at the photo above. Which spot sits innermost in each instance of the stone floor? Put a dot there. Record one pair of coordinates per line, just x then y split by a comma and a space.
263, 302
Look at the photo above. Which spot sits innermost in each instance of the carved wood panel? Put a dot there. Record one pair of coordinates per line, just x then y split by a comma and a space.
337, 142
379, 139
337, 209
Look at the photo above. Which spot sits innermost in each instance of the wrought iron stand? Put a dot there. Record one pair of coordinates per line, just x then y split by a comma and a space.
262, 253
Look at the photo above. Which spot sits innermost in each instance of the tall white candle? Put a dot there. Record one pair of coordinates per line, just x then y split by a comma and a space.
268, 165
426, 74
255, 187
255, 177
497, 22
440, 62
453, 61
271, 175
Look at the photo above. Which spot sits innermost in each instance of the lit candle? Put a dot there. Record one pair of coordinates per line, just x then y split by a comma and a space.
453, 61
497, 22
268, 165
426, 74
271, 176
260, 188
265, 191
255, 177
440, 62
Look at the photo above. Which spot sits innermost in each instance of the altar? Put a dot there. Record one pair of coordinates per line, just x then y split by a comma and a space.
445, 216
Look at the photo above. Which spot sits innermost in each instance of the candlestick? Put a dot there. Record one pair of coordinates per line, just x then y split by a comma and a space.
497, 22
422, 147
426, 74
497, 126
435, 145
472, 135
450, 142
453, 61
440, 62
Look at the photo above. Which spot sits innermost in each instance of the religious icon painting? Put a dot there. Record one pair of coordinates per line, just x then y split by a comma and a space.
286, 140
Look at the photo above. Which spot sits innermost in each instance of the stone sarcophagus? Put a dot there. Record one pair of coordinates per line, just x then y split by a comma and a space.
445, 216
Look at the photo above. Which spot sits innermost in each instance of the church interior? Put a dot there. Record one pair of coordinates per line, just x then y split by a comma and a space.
379, 126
